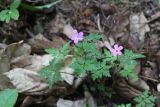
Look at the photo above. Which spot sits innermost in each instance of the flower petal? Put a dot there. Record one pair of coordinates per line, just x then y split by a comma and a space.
119, 53
114, 54
115, 46
75, 31
73, 37
80, 36
113, 51
120, 47
75, 41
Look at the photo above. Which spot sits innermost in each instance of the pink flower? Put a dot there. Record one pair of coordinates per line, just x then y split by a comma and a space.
116, 50
77, 36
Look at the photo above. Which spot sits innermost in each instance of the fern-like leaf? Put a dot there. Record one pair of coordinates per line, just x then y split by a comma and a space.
128, 63
124, 105
93, 38
145, 100
88, 59
52, 71
131, 55
109, 57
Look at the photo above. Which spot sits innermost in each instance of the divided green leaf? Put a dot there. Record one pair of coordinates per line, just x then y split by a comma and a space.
52, 71
128, 63
124, 105
129, 54
51, 74
92, 38
145, 100
109, 57
88, 59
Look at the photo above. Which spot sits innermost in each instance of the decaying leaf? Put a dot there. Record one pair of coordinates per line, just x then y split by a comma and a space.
5, 83
109, 43
68, 30
39, 43
88, 100
158, 87
139, 84
26, 81
158, 99
138, 26
108, 9
56, 25
11, 49
6, 56
67, 75
23, 49
87, 12
124, 89
79, 80
31, 62
4, 64
2, 47
69, 103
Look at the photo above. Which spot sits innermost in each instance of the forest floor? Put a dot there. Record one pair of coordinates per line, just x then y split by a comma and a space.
133, 24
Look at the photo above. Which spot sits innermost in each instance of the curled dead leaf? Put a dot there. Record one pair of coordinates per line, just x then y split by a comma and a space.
26, 81
31, 62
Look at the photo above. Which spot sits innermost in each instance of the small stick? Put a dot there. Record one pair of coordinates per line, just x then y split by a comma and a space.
145, 77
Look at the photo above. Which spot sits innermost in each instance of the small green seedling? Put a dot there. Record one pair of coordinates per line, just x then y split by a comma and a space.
52, 71
124, 105
145, 100
11, 12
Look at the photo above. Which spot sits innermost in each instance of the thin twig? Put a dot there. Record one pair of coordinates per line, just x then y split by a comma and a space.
145, 77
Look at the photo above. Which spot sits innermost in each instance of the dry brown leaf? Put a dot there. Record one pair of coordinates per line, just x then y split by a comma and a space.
26, 81
56, 25
108, 9
78, 103
23, 49
124, 89
138, 26
69, 103
158, 87
68, 30
87, 12
139, 84
2, 47
39, 43
5, 56
79, 80
31, 62
5, 83
67, 75
89, 99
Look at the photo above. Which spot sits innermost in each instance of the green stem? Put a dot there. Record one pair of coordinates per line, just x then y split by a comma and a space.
37, 8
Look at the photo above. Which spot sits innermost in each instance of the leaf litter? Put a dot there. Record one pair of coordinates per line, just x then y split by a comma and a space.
133, 24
